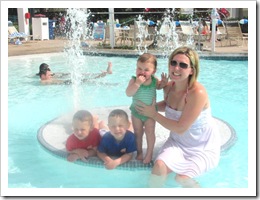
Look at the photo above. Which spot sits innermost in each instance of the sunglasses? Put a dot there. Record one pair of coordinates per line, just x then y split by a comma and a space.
182, 65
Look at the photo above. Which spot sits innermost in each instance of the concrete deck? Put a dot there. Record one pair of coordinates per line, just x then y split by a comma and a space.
58, 45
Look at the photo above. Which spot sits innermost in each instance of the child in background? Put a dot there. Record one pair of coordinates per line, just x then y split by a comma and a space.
85, 138
119, 142
143, 87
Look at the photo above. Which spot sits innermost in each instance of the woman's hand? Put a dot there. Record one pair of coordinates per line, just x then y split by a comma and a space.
149, 111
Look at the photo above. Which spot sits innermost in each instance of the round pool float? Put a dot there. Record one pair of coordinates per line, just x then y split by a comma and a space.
53, 135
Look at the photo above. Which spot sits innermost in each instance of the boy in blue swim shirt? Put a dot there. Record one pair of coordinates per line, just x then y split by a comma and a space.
117, 145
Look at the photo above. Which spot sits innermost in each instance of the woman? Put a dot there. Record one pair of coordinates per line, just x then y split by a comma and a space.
205, 29
193, 146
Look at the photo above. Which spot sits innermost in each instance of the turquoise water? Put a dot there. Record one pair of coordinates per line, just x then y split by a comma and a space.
30, 105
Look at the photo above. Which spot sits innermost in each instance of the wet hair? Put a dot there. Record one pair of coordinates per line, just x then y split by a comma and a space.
194, 61
43, 69
83, 115
118, 113
147, 57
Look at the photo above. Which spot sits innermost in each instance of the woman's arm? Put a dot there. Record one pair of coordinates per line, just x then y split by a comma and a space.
161, 106
196, 101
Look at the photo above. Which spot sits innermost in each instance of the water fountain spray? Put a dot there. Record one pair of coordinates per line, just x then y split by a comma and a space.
142, 34
165, 37
76, 33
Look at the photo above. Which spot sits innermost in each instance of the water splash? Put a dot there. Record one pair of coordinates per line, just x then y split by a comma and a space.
77, 33
142, 27
168, 39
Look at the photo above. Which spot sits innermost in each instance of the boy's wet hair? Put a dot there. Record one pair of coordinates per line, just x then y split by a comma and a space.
83, 115
148, 57
118, 113
43, 69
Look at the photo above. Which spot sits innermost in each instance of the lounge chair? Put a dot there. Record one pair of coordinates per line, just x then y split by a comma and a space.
14, 34
234, 33
189, 33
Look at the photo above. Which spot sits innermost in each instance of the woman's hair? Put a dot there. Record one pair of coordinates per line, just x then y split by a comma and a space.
148, 57
194, 61
83, 115
204, 23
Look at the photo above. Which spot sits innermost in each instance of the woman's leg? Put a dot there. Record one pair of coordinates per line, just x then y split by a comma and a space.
186, 181
159, 174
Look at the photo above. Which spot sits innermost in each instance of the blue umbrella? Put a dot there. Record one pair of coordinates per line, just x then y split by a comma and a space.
177, 23
219, 21
151, 23
243, 21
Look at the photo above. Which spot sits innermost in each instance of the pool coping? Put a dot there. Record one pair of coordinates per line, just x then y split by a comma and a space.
202, 54
134, 53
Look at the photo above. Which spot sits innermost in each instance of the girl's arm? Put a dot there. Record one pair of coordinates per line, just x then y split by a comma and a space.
132, 88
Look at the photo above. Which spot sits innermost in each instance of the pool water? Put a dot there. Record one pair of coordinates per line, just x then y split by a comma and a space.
30, 105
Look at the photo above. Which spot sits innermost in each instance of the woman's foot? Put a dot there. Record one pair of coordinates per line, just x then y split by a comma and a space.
186, 181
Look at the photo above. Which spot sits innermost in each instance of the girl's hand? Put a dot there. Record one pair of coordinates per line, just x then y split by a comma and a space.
140, 80
164, 79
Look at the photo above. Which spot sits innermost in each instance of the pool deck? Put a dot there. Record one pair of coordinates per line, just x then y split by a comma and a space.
58, 45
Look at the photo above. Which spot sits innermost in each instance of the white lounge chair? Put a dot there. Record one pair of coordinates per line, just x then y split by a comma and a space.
14, 34
234, 33
189, 33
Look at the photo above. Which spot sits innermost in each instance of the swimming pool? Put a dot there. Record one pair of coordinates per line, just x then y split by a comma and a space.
30, 105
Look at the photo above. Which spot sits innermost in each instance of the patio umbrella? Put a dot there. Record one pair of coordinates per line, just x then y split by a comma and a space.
151, 23
219, 21
243, 21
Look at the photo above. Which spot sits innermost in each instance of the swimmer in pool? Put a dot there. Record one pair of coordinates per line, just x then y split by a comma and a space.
47, 77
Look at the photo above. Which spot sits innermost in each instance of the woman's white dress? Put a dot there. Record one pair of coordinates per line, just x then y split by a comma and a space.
194, 152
